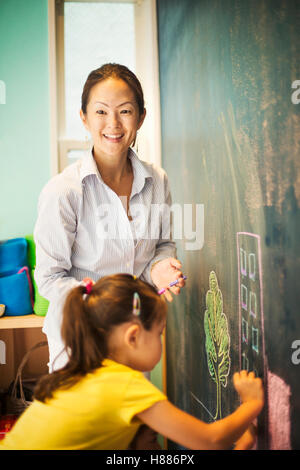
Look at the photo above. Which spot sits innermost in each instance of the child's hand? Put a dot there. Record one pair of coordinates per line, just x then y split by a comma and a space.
248, 386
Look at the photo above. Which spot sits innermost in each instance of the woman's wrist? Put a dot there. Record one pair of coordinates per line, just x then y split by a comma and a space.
155, 263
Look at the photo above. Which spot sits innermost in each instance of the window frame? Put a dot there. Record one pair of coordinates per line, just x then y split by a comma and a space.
147, 69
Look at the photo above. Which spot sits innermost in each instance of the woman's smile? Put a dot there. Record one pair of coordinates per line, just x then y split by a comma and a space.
114, 138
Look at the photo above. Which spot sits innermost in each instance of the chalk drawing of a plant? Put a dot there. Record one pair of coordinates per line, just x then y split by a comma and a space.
217, 341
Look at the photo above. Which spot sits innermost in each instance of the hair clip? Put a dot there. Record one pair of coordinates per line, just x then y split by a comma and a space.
136, 309
88, 288
88, 284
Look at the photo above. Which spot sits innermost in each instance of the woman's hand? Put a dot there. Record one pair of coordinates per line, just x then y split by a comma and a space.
166, 271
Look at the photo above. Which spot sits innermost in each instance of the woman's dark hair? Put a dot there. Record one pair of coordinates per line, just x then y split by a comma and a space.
113, 71
88, 320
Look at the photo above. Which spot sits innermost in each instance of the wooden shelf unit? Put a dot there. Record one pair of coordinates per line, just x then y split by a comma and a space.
19, 334
22, 321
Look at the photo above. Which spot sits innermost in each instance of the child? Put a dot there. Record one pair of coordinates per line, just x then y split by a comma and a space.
100, 398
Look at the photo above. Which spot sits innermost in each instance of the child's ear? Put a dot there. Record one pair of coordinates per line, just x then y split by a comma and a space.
132, 335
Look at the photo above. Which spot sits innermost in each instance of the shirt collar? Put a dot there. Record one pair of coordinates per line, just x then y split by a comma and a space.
140, 171
88, 166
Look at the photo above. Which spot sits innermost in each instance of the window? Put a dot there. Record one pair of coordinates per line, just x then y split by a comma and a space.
252, 266
244, 295
253, 304
83, 35
245, 362
255, 339
244, 331
243, 261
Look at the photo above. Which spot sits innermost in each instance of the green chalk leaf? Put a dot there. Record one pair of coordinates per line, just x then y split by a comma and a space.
217, 339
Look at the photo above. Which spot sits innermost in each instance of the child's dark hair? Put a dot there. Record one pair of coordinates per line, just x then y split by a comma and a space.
112, 70
88, 320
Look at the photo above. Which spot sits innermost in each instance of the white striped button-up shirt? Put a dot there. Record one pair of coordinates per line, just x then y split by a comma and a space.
83, 230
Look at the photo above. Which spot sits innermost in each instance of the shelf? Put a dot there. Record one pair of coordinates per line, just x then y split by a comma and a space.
22, 321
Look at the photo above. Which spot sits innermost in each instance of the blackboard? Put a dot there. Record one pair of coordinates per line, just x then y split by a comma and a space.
229, 84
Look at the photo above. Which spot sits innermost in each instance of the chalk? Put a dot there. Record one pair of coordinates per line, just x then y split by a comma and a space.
171, 284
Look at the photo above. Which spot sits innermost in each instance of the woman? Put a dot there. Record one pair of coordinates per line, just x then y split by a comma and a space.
108, 212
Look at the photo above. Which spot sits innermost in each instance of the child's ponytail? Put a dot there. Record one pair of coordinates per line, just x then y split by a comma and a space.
83, 337
85, 344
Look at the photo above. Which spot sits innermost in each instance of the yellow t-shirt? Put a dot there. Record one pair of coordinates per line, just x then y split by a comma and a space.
98, 412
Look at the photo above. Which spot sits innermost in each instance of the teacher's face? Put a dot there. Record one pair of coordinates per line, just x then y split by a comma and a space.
112, 118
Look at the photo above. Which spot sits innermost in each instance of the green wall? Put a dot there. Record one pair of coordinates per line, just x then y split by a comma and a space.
24, 118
